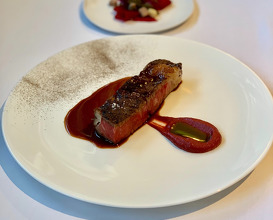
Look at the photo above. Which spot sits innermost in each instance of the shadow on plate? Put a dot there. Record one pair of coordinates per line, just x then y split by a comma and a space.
80, 209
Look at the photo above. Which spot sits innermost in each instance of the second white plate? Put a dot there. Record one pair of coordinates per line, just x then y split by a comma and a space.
102, 15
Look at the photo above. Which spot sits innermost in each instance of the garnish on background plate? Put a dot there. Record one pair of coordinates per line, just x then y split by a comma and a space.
138, 10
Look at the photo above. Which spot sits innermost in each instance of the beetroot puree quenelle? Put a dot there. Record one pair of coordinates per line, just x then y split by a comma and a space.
195, 136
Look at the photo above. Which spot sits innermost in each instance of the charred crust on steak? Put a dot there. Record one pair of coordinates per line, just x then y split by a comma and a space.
134, 93
129, 98
160, 68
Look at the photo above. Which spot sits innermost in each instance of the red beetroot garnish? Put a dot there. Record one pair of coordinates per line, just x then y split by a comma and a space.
158, 4
147, 18
123, 14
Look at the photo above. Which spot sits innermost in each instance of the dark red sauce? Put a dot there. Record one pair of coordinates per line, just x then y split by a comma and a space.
79, 120
79, 123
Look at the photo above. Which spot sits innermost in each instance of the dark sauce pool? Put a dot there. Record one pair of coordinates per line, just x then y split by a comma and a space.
79, 120
190, 134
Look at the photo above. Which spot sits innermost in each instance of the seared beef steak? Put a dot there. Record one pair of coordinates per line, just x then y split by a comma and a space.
136, 100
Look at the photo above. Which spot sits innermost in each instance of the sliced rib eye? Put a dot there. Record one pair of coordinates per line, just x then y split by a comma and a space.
136, 100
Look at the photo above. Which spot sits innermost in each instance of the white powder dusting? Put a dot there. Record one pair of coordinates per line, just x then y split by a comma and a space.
75, 73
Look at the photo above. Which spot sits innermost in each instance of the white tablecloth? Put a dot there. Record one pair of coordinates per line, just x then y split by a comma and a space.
33, 30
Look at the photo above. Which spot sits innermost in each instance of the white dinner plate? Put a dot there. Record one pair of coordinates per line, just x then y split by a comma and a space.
102, 15
147, 170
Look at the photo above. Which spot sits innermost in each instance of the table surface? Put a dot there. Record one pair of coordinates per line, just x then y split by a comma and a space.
31, 31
